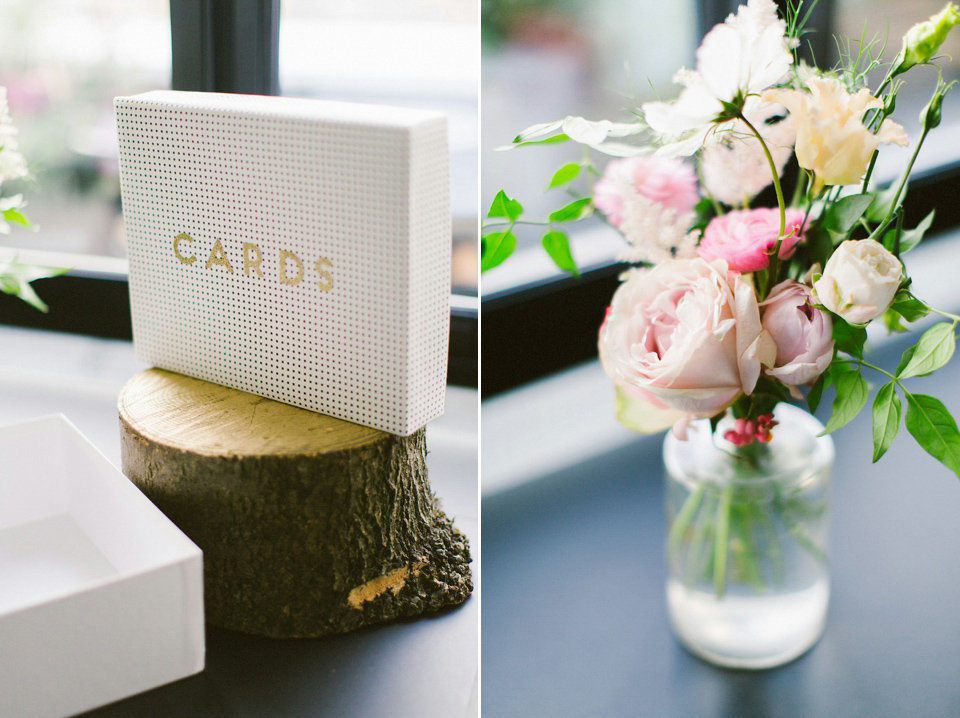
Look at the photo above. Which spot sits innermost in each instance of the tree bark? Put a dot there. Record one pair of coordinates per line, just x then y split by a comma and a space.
309, 525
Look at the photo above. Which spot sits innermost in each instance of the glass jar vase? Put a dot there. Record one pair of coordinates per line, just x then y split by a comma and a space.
747, 583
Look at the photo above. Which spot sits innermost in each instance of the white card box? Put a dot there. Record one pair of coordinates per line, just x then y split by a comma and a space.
313, 265
101, 596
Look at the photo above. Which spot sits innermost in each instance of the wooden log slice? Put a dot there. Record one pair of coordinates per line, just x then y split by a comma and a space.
309, 525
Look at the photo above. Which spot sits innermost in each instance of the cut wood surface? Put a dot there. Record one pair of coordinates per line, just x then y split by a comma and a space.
309, 525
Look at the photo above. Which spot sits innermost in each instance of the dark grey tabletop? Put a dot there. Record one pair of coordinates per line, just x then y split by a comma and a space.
422, 668
574, 618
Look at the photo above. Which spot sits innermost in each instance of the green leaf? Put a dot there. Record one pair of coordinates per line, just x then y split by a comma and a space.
882, 204
886, 419
909, 307
911, 237
848, 337
503, 206
558, 247
565, 174
14, 216
816, 391
844, 213
555, 140
824, 382
578, 209
934, 349
496, 248
851, 398
929, 422
15, 279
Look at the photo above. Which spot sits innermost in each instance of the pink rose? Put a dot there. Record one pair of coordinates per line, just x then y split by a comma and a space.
803, 334
667, 181
687, 331
746, 238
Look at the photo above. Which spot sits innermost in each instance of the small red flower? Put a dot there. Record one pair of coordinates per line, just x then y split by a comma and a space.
746, 431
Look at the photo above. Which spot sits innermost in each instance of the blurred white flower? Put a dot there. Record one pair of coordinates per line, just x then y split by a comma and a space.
735, 169
12, 163
592, 133
656, 232
743, 56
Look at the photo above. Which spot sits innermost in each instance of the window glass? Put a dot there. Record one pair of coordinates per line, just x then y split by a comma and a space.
63, 62
545, 59
414, 53
887, 21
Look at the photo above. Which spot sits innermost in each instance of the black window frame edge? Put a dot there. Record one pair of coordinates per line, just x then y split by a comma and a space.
217, 46
546, 327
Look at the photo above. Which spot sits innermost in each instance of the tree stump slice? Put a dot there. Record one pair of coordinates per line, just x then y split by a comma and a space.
309, 525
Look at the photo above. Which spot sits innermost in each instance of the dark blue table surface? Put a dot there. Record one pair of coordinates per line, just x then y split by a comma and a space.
574, 620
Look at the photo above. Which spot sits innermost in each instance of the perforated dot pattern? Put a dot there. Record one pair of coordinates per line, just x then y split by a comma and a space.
295, 249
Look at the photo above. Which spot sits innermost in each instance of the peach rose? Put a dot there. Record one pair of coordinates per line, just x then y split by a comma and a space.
860, 280
832, 142
802, 333
688, 332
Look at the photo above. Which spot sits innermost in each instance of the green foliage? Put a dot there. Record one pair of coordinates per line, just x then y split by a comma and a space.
554, 140
564, 175
882, 204
886, 419
15, 279
503, 206
843, 214
816, 391
929, 422
848, 337
934, 349
909, 307
909, 238
15, 216
851, 397
497, 246
578, 209
557, 246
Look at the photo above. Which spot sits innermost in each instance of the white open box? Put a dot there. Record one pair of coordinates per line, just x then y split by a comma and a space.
101, 596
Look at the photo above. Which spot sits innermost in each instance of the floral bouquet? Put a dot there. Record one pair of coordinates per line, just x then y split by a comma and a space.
730, 310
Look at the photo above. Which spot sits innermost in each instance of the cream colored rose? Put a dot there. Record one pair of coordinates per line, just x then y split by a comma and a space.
859, 281
688, 332
832, 142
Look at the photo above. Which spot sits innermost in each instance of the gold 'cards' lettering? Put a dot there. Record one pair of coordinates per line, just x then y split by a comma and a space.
290, 268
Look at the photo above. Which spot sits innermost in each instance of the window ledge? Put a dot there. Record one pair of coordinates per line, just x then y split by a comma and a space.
537, 429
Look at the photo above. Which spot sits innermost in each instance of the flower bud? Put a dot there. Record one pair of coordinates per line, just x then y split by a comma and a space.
930, 115
922, 41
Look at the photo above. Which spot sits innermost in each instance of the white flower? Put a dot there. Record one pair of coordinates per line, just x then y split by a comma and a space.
735, 169
743, 56
12, 163
656, 232
859, 281
587, 132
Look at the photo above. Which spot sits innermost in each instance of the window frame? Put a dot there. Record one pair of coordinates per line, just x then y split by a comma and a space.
217, 46
538, 329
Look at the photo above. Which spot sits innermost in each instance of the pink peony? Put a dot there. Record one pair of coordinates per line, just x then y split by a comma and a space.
746, 238
667, 181
802, 333
688, 332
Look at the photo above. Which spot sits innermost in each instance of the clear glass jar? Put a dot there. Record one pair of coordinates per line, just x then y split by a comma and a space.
747, 583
